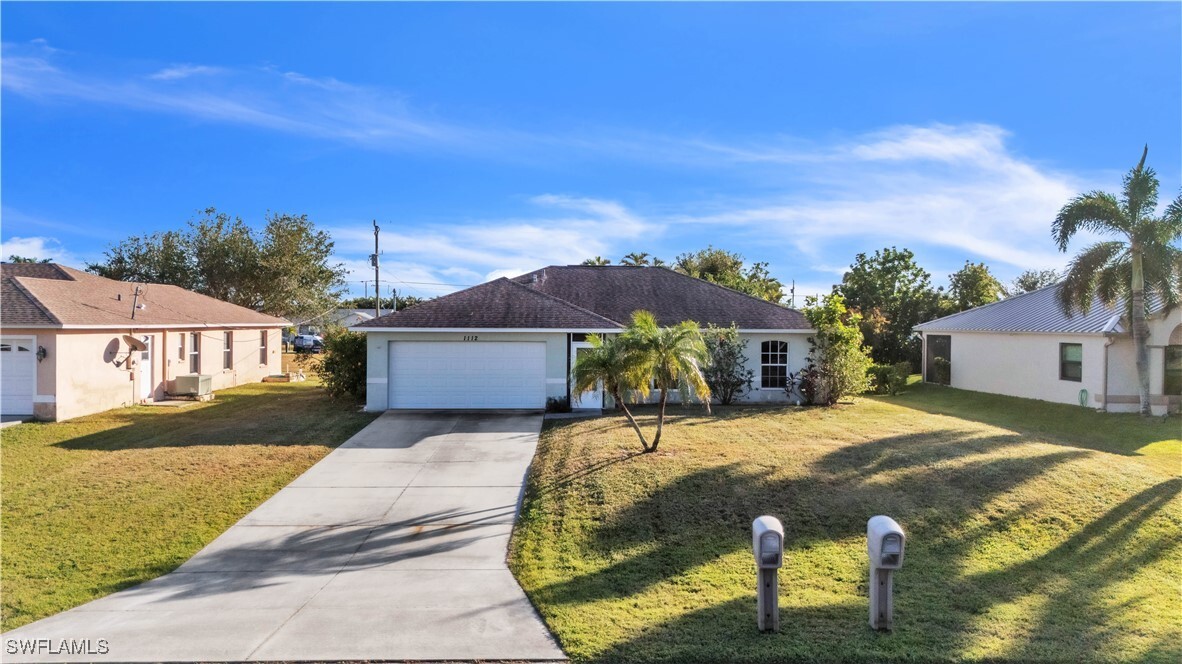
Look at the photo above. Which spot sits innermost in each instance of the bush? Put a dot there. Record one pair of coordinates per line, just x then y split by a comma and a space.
557, 405
728, 375
888, 378
943, 370
839, 358
342, 367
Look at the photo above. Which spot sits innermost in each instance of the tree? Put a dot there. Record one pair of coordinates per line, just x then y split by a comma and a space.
611, 362
673, 356
899, 293
636, 259
22, 259
598, 260
1144, 257
726, 268
1031, 280
403, 302
284, 270
837, 354
972, 286
727, 373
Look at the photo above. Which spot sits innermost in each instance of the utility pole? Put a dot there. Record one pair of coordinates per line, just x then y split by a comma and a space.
377, 289
792, 296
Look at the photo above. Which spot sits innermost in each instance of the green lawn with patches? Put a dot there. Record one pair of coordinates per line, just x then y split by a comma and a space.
1036, 532
100, 503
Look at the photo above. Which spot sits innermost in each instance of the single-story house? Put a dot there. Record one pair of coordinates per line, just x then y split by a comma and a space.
340, 317
1025, 346
510, 343
73, 343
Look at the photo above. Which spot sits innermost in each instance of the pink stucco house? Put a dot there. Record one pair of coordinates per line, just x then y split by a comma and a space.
73, 343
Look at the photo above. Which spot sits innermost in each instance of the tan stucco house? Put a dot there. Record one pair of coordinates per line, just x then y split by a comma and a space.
1025, 346
510, 343
73, 343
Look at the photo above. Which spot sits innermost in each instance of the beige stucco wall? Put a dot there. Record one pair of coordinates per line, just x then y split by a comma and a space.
86, 371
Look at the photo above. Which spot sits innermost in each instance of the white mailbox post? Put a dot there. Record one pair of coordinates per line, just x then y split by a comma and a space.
767, 543
884, 541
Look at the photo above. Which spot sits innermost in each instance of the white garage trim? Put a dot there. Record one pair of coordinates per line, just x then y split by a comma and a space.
467, 375
18, 375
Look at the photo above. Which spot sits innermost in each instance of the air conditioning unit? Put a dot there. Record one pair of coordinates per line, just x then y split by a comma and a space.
194, 385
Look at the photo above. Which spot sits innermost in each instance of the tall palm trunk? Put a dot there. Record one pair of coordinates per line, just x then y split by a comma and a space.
1140, 329
660, 419
632, 420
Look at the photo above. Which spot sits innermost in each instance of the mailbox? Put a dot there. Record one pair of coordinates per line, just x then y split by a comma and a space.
767, 542
885, 540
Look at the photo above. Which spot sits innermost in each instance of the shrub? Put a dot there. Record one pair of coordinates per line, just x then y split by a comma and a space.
728, 375
839, 358
943, 370
557, 405
888, 378
342, 367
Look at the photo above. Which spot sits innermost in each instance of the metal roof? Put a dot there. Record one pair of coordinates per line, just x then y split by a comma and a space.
1036, 311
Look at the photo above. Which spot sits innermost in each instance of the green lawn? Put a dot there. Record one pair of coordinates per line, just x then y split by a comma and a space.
99, 503
1036, 532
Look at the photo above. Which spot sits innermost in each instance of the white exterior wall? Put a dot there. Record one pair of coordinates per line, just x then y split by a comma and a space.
798, 352
377, 396
1024, 365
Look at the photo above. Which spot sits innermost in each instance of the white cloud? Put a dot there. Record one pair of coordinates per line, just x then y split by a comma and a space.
39, 248
177, 72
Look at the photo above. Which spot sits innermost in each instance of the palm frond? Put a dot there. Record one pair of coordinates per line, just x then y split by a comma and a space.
1162, 264
1083, 274
1096, 211
1140, 190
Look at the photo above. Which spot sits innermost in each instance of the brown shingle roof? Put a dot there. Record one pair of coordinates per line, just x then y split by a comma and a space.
497, 304
56, 295
608, 293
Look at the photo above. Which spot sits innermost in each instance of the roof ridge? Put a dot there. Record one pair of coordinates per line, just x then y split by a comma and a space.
562, 301
33, 298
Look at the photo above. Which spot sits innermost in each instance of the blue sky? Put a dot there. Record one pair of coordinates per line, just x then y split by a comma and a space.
493, 139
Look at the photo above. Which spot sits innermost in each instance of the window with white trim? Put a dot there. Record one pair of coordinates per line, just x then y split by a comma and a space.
262, 346
227, 350
194, 352
773, 364
1071, 362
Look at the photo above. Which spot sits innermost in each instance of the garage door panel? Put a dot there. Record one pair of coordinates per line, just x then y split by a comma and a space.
448, 374
18, 376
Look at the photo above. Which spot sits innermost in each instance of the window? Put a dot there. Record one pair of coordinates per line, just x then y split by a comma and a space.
262, 347
1173, 370
1071, 362
773, 364
227, 350
180, 355
194, 352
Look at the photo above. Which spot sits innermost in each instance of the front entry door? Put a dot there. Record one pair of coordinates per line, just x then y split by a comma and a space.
591, 398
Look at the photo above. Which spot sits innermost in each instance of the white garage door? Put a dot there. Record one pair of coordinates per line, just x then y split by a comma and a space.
478, 374
18, 373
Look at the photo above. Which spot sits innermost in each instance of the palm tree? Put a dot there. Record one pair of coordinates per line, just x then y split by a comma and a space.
1144, 257
636, 259
618, 368
598, 260
673, 357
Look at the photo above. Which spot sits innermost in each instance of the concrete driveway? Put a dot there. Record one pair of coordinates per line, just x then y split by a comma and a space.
392, 547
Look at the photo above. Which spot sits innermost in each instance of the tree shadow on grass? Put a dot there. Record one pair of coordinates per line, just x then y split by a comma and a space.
1056, 423
937, 484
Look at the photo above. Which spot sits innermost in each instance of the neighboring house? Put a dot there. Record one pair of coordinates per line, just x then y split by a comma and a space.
71, 343
510, 343
1025, 346
341, 317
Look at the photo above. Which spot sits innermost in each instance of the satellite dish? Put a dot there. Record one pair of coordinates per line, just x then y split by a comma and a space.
134, 344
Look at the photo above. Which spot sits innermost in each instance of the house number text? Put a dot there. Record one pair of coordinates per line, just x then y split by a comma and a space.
471, 337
